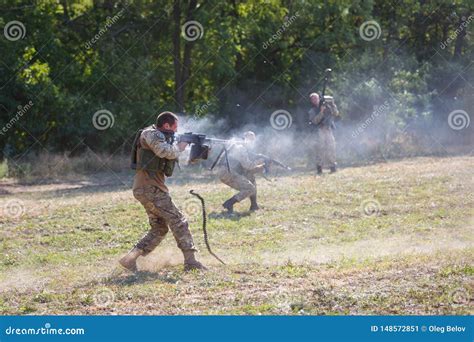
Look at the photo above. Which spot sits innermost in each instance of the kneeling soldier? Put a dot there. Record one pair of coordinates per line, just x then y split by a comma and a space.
241, 172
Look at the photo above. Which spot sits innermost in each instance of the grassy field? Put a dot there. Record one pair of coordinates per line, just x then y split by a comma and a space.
389, 238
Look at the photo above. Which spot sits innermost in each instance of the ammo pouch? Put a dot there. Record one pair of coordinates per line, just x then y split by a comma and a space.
150, 162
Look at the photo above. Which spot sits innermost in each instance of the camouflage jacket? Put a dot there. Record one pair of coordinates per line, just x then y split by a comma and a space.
326, 117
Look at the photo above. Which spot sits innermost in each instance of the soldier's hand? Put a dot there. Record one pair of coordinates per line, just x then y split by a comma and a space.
182, 145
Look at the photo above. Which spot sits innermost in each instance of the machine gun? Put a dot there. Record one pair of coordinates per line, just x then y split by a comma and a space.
200, 145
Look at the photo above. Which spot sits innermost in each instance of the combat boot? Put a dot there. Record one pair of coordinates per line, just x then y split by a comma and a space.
190, 262
253, 203
333, 169
129, 261
229, 204
319, 169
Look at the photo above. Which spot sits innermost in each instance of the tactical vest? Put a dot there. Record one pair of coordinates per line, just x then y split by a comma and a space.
147, 160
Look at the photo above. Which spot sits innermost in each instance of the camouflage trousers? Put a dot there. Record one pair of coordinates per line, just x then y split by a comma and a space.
163, 215
325, 148
246, 185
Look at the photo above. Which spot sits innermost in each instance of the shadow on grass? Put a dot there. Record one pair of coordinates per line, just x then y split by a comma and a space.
235, 216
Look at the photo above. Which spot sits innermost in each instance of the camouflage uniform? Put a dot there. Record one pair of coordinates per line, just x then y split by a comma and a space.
242, 172
149, 189
325, 141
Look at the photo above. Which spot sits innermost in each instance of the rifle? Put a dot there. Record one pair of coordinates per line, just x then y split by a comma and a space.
268, 161
322, 100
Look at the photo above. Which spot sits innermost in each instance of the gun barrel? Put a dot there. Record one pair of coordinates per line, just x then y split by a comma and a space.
196, 138
286, 167
218, 141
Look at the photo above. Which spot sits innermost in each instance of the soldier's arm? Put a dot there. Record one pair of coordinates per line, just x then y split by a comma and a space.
333, 108
318, 118
156, 141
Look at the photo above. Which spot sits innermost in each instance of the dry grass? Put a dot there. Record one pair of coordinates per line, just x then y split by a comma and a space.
50, 166
311, 250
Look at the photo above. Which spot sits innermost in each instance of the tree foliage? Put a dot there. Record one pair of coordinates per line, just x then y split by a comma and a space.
131, 58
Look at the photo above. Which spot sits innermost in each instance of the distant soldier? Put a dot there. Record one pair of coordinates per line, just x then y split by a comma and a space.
323, 121
243, 165
154, 157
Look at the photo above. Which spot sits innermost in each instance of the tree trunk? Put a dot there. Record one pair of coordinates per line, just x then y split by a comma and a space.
65, 10
177, 55
460, 39
188, 47
182, 65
